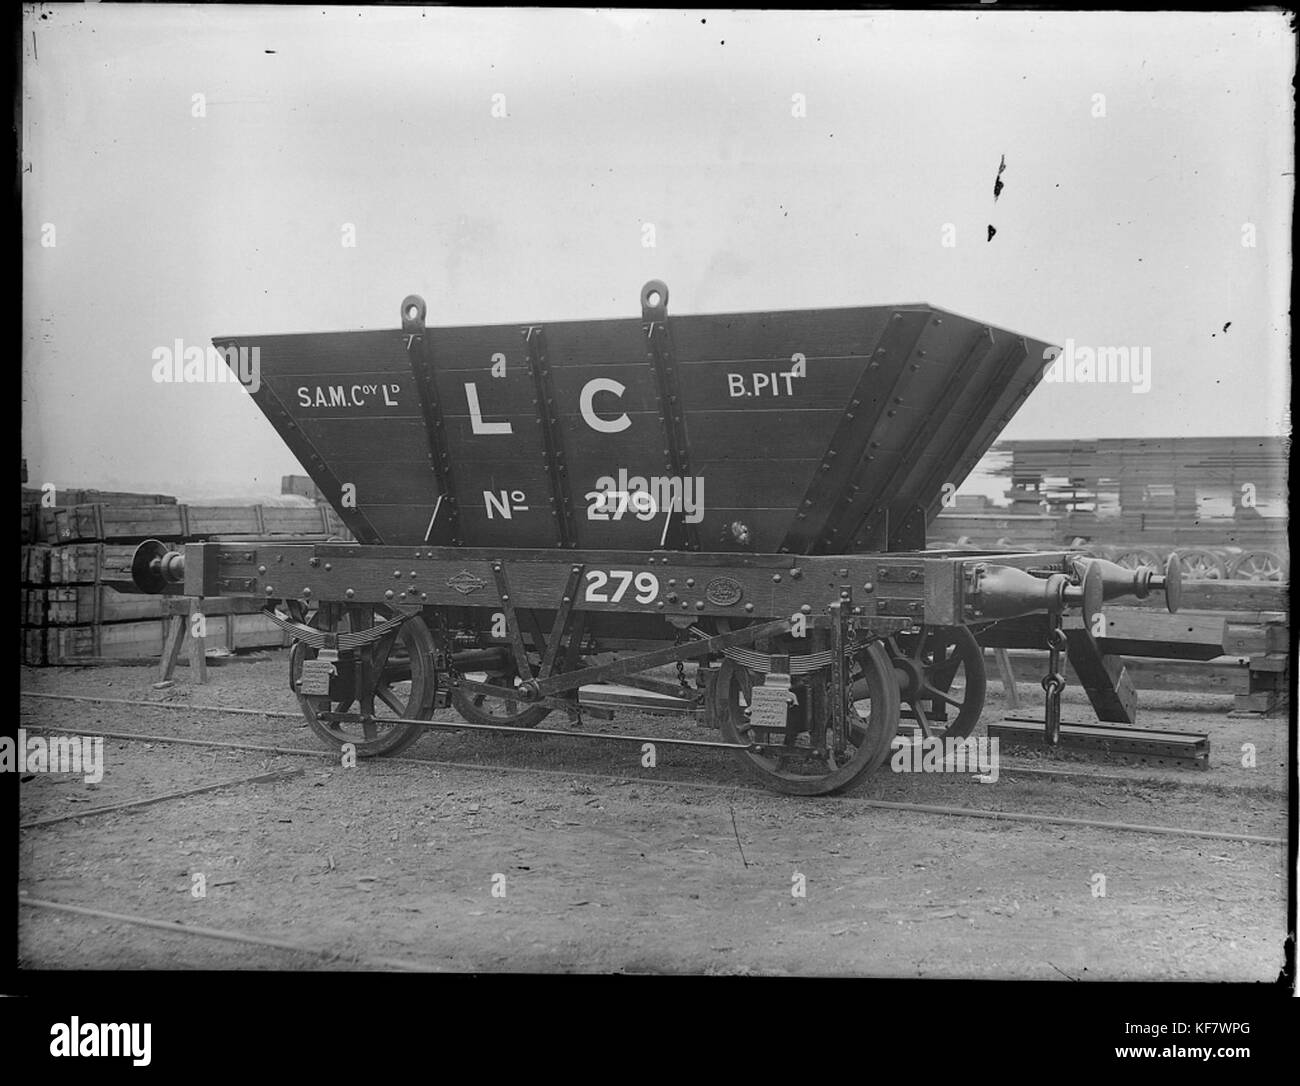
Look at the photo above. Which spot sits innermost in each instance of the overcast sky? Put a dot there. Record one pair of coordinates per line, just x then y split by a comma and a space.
1117, 229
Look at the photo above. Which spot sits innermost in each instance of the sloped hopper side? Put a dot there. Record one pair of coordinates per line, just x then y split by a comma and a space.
812, 431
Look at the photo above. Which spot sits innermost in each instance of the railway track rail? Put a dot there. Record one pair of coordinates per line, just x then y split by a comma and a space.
663, 781
328, 954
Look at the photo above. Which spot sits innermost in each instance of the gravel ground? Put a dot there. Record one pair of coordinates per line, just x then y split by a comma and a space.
554, 854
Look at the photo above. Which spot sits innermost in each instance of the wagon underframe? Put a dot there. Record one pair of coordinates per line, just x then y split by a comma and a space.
802, 657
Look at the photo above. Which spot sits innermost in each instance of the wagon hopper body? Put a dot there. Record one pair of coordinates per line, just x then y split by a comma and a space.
747, 490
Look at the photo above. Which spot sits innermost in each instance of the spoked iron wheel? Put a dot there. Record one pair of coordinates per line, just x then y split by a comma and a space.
392, 678
1137, 559
940, 669
1258, 566
479, 708
800, 758
1201, 565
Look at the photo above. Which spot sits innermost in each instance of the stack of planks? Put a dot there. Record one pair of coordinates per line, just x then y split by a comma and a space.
1164, 483
108, 522
1217, 494
78, 604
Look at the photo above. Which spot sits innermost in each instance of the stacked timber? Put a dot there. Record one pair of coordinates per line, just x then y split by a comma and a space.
1166, 482
1221, 502
78, 608
78, 603
103, 522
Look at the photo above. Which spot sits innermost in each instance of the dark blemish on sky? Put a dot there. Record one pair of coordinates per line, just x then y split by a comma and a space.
997, 181
992, 230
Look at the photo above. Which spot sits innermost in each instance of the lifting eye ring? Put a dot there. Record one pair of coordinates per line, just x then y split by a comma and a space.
654, 300
413, 312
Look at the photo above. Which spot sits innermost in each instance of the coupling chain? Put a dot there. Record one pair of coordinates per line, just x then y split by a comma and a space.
1054, 681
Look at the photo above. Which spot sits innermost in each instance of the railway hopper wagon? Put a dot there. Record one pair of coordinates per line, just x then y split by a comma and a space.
546, 509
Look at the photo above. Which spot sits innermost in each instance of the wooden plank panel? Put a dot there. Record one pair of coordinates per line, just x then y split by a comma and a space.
1165, 630
401, 524
36, 564
360, 440
108, 522
713, 435
132, 640
87, 563
778, 336
326, 354
278, 520
499, 398
534, 528
76, 522
84, 605
600, 344
1223, 675
766, 527
208, 519
638, 389
754, 386
34, 647
383, 482
350, 395
30, 529
1246, 639
345, 379
1223, 596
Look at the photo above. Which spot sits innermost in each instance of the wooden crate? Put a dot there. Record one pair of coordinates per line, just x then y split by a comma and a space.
1269, 691
85, 605
33, 642
36, 564
144, 639
110, 522
91, 563
218, 520
295, 521
106, 523
33, 607
45, 524
68, 496
1257, 638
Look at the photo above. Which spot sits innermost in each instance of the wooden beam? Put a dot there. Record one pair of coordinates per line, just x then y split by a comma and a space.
1225, 675
1008, 676
1222, 596
1148, 633
171, 647
198, 643
1102, 677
